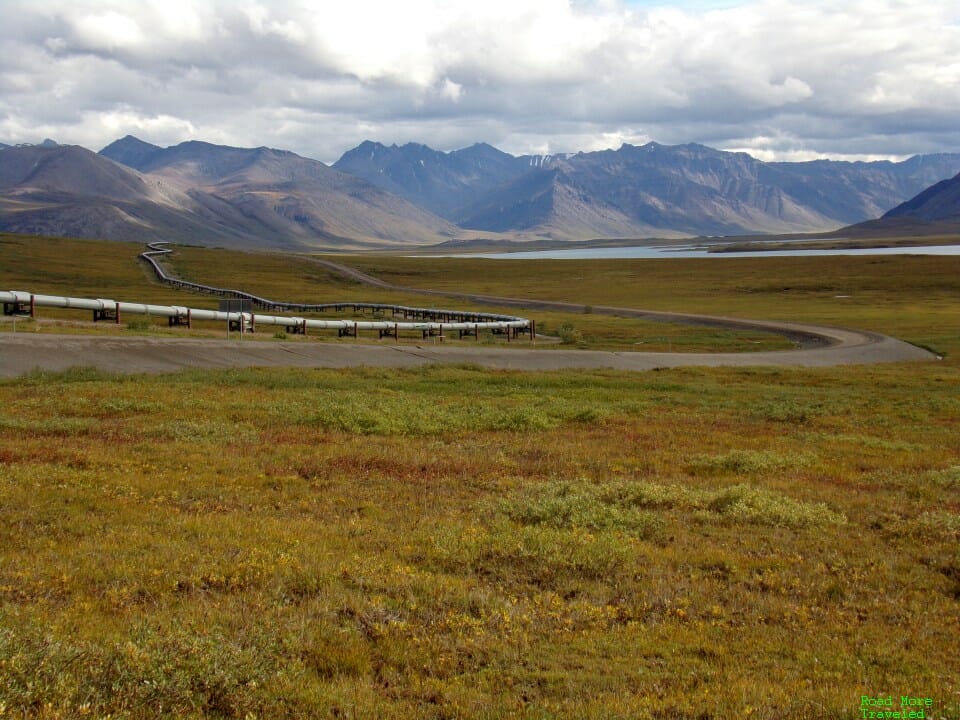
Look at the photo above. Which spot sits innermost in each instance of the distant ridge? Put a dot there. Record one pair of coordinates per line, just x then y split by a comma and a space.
434, 180
38, 170
641, 190
202, 193
414, 195
48, 143
939, 203
132, 152
286, 196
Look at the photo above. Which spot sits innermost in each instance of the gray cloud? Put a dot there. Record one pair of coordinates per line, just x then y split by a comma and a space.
775, 78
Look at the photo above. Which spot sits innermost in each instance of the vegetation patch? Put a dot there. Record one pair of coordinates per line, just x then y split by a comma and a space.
204, 431
745, 462
631, 507
938, 522
543, 555
76, 374
948, 479
786, 411
748, 504
569, 505
187, 674
386, 413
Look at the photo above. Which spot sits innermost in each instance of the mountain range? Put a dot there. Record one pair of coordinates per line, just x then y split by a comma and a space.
649, 190
202, 193
413, 195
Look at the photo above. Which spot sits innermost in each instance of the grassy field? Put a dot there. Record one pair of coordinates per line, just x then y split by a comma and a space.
458, 543
914, 298
106, 269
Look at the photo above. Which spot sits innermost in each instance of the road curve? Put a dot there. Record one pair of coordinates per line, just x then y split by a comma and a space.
846, 345
819, 346
22, 352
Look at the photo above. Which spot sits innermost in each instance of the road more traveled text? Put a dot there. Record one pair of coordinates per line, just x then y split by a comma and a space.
882, 707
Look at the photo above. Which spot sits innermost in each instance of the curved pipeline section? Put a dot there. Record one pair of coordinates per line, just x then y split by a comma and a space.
449, 318
249, 320
427, 321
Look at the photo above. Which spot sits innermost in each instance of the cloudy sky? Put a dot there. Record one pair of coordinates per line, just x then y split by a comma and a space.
778, 79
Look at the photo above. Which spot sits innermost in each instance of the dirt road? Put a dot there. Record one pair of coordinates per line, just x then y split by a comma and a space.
23, 352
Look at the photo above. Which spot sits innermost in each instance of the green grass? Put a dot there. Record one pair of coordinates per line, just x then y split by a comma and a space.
452, 542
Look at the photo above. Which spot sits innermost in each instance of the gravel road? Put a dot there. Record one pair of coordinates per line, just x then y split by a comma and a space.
23, 352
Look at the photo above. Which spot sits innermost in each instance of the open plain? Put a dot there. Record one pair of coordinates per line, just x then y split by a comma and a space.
451, 540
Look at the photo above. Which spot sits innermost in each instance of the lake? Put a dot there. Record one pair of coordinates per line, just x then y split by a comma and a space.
646, 252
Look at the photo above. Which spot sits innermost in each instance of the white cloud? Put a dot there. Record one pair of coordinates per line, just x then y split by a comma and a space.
261, 23
121, 122
451, 90
109, 30
775, 77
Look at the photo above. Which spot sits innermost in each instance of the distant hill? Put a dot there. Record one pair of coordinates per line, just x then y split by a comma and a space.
641, 191
660, 190
290, 196
48, 143
939, 203
132, 152
440, 182
202, 193
933, 211
68, 190
37, 171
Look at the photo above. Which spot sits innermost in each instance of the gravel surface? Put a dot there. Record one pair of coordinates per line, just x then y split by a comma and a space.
22, 352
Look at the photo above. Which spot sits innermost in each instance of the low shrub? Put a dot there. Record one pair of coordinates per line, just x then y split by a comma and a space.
744, 462
629, 507
745, 503
139, 325
569, 335
565, 505
538, 554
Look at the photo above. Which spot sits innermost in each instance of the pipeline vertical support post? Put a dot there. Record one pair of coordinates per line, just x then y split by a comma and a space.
189, 320
396, 330
33, 305
116, 313
476, 332
253, 322
304, 327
